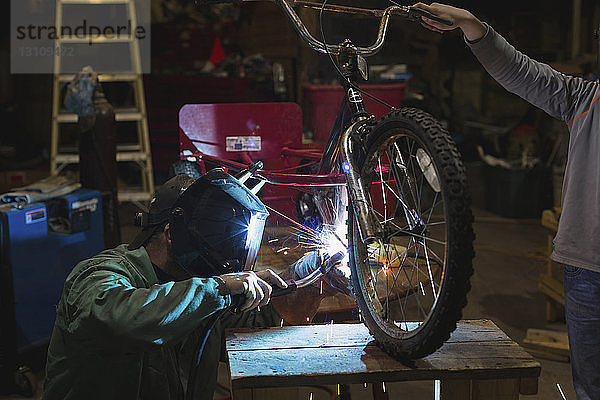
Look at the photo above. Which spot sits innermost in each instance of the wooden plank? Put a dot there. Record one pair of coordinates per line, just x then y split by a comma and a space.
307, 355
339, 335
552, 345
301, 367
554, 339
552, 288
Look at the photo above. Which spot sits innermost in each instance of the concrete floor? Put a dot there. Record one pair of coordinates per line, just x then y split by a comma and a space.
509, 259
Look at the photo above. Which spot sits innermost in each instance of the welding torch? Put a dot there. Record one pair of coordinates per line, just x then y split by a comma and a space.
293, 285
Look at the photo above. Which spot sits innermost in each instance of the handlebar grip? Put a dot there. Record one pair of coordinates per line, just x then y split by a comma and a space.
291, 287
416, 14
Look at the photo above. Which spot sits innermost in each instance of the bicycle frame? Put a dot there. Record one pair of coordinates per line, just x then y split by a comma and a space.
336, 164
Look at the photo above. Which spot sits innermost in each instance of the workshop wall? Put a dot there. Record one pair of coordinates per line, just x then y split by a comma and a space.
452, 84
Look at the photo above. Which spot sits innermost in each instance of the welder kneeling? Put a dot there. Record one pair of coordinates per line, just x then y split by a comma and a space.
146, 320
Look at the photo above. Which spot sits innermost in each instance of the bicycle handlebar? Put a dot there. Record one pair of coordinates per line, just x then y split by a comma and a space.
411, 13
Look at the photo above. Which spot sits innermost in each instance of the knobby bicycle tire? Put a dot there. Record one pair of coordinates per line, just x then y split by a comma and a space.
413, 159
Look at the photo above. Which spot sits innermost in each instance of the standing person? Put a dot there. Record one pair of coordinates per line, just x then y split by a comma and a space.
577, 242
146, 320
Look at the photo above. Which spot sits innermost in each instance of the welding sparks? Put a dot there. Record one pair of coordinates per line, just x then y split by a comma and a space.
321, 292
561, 391
307, 319
331, 242
310, 397
383, 386
283, 249
281, 324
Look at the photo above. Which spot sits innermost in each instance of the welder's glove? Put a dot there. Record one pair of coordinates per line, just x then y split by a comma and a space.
254, 287
334, 280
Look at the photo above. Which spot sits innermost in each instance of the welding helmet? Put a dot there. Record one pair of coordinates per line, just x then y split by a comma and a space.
159, 212
216, 226
216, 223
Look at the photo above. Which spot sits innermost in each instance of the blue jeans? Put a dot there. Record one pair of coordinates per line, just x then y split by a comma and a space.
582, 310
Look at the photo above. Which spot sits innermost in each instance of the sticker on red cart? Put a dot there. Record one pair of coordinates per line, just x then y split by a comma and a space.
39, 215
243, 143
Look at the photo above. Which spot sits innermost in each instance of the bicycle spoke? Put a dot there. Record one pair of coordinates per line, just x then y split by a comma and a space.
410, 281
431, 210
429, 270
405, 253
405, 267
435, 223
405, 232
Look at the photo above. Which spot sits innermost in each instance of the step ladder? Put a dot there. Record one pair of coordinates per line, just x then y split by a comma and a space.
138, 153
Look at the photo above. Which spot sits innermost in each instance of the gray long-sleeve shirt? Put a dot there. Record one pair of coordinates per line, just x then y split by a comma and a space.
574, 101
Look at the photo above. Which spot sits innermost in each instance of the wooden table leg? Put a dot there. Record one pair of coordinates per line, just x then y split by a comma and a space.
266, 394
488, 389
378, 391
343, 392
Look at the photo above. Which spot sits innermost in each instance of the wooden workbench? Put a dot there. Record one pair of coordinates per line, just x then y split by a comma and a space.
478, 362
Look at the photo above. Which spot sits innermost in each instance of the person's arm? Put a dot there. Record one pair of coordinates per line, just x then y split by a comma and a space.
298, 307
101, 303
533, 81
472, 28
293, 308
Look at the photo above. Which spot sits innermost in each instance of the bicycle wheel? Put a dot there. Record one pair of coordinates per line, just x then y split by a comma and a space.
411, 285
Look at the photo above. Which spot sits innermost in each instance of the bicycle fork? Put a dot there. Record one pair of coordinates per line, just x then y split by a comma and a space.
369, 227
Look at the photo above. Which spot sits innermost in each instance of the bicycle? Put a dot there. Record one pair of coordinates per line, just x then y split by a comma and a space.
396, 186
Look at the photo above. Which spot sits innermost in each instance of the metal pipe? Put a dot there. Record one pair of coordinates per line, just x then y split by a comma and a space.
321, 47
368, 226
338, 9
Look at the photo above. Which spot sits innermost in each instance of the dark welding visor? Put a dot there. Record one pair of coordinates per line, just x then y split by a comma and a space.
217, 226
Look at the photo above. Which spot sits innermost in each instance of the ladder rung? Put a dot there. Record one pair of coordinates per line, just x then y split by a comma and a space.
120, 116
131, 156
67, 158
104, 77
130, 195
128, 147
94, 1
95, 39
128, 116
73, 158
120, 147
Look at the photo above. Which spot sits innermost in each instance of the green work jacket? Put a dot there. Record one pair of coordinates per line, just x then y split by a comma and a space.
120, 335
